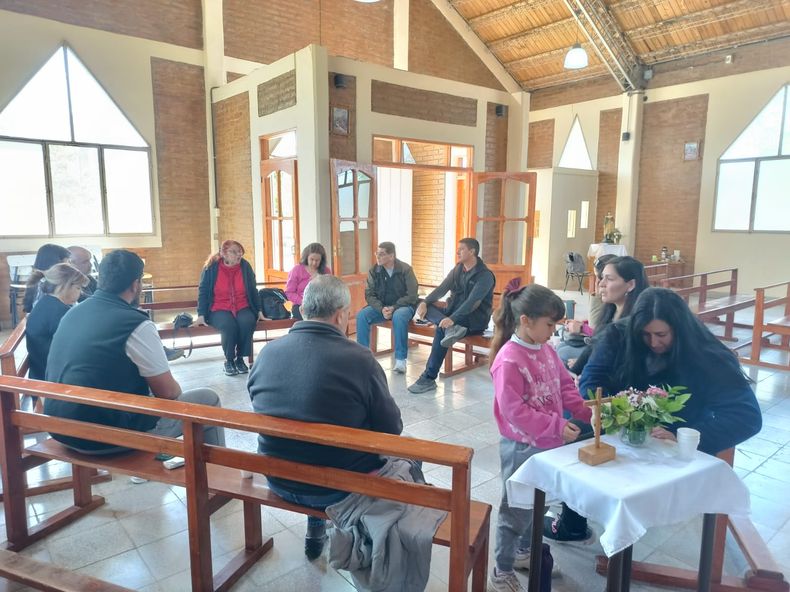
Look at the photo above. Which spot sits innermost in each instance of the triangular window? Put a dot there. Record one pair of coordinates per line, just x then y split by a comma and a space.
754, 172
575, 154
64, 137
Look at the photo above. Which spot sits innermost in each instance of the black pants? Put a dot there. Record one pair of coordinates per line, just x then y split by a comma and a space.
236, 332
296, 312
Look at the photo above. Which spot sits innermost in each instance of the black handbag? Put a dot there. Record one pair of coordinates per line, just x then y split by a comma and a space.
182, 322
272, 304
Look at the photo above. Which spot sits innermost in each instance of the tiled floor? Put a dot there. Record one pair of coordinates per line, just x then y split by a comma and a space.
138, 538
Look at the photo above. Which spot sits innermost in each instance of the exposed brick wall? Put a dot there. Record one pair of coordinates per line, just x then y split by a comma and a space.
428, 215
394, 99
577, 92
277, 94
608, 154
182, 162
233, 160
436, 48
266, 30
174, 21
496, 138
540, 150
340, 146
668, 205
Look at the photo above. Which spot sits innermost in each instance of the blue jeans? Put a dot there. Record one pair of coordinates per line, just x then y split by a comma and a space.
315, 526
400, 325
438, 353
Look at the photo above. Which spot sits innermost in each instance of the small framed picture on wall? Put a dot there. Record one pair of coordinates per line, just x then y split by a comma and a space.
691, 151
340, 121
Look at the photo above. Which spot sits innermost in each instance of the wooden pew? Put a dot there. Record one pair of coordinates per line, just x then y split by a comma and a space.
212, 475
423, 334
9, 367
778, 326
709, 310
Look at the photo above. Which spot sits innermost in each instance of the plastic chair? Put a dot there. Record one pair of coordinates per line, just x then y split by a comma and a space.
575, 268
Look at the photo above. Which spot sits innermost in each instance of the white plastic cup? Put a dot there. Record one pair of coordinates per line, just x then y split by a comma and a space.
688, 441
246, 474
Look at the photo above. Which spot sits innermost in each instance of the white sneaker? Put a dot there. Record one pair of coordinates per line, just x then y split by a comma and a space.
523, 559
400, 367
138, 480
506, 582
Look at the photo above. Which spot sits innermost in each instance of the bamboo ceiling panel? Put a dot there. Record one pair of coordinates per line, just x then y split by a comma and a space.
530, 37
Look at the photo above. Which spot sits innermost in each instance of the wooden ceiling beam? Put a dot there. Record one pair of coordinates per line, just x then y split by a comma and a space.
763, 33
700, 18
525, 37
541, 58
507, 11
564, 77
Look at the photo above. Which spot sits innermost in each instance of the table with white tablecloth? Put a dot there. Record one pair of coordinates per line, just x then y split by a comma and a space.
641, 488
599, 249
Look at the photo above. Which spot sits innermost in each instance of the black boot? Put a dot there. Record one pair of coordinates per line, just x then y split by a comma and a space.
314, 541
567, 526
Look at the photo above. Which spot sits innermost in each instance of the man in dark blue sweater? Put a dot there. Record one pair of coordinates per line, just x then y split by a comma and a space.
316, 374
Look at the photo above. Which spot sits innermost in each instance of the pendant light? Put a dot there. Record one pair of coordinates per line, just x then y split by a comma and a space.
576, 58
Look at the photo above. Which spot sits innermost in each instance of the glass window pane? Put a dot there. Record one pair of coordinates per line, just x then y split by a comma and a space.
571, 223
283, 146
786, 131
363, 196
41, 109
76, 190
761, 136
584, 221
287, 193
348, 259
23, 192
734, 195
575, 154
515, 199
97, 119
487, 233
772, 206
274, 201
489, 196
127, 176
385, 150
289, 245
274, 225
345, 195
514, 245
366, 246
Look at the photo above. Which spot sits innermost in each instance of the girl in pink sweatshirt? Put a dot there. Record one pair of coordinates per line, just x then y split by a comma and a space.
532, 389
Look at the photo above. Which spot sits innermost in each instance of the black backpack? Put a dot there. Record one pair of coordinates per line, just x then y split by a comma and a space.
272, 303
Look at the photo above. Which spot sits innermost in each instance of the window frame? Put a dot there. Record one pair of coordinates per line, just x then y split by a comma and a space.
757, 160
45, 144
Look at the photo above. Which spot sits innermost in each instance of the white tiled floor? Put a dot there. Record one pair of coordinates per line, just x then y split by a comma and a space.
138, 538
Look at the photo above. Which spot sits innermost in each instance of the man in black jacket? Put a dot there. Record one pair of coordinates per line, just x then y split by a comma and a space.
316, 374
468, 310
391, 294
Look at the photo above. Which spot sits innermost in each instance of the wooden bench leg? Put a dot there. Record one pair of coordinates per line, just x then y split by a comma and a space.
254, 549
198, 511
480, 567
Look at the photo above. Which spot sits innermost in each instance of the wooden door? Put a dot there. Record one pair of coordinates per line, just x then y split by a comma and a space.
502, 219
280, 196
354, 237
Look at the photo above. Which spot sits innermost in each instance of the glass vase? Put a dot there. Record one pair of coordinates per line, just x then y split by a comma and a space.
634, 436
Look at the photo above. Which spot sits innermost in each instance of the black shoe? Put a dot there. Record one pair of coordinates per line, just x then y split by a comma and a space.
230, 368
314, 546
554, 529
241, 367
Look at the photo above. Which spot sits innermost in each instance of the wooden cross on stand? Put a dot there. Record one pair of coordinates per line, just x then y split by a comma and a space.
599, 452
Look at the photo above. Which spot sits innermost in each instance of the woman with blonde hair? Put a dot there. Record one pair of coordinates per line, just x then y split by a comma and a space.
228, 301
60, 289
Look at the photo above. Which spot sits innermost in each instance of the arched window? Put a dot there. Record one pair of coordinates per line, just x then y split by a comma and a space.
71, 163
754, 173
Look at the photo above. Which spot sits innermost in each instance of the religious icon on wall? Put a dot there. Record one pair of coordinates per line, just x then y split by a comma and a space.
339, 121
608, 228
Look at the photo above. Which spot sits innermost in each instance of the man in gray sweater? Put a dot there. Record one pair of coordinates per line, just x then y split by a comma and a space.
316, 374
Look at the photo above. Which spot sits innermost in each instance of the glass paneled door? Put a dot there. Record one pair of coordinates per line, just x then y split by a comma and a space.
354, 237
503, 220
279, 193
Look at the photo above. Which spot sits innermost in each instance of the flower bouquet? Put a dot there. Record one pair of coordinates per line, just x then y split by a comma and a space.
634, 413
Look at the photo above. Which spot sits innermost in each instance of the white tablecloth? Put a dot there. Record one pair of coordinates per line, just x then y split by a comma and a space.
641, 488
599, 249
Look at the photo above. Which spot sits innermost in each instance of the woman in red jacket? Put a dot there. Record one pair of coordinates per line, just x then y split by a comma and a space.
228, 301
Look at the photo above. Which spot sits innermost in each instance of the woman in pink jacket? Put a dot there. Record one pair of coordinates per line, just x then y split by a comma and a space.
312, 263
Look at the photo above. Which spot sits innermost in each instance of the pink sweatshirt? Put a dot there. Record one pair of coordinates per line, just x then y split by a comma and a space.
298, 278
532, 388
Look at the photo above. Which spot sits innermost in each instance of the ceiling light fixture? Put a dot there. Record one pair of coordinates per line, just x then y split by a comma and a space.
367, 1
576, 58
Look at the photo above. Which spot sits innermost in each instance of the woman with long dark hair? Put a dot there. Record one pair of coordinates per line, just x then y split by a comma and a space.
228, 300
663, 343
312, 263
